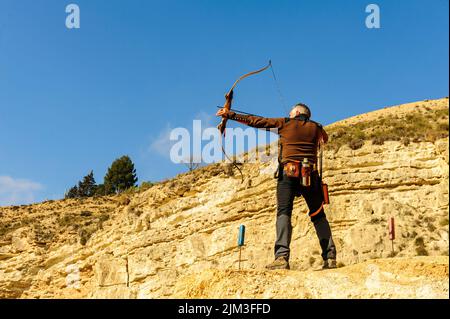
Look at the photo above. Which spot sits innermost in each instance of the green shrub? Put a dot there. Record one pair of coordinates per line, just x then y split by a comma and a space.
414, 127
419, 241
378, 140
104, 217
443, 126
145, 185
392, 254
405, 141
86, 213
421, 251
443, 222
420, 247
356, 144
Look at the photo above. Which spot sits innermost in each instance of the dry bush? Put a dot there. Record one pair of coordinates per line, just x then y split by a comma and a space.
443, 222
420, 247
415, 127
356, 144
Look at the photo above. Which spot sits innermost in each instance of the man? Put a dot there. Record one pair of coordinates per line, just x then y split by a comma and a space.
299, 140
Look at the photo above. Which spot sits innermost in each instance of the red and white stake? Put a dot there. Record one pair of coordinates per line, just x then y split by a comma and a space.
392, 232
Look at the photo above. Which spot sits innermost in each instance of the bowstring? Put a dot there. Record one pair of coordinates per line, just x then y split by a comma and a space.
280, 96
232, 162
277, 85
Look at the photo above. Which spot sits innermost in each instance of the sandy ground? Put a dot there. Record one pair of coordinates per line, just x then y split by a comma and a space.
418, 277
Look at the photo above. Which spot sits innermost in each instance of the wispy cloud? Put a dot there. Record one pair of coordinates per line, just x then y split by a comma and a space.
161, 144
207, 119
17, 191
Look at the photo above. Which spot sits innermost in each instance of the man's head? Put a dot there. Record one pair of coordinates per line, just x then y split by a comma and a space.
300, 109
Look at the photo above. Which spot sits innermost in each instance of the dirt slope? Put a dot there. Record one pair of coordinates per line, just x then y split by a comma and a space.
418, 277
179, 237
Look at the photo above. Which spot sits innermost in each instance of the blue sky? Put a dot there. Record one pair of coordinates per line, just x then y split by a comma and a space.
74, 100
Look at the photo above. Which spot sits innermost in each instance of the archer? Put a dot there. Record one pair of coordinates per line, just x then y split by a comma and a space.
297, 175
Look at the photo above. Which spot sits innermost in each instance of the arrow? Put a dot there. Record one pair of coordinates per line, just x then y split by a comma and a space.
242, 112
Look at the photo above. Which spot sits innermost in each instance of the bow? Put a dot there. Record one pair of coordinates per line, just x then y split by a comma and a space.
227, 105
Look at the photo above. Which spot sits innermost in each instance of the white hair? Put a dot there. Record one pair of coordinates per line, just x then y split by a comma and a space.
303, 109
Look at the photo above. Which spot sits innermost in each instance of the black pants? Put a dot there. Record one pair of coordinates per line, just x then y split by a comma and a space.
287, 189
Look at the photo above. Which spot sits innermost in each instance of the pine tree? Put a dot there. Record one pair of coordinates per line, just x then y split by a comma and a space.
86, 187
120, 176
100, 190
72, 193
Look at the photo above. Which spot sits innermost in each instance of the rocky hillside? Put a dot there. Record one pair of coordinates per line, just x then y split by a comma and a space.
178, 238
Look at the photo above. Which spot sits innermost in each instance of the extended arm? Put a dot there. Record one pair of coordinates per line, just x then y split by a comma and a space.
253, 121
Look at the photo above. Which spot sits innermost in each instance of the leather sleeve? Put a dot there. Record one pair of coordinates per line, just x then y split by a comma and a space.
257, 121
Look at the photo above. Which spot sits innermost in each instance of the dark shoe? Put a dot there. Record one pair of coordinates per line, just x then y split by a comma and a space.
279, 263
329, 264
